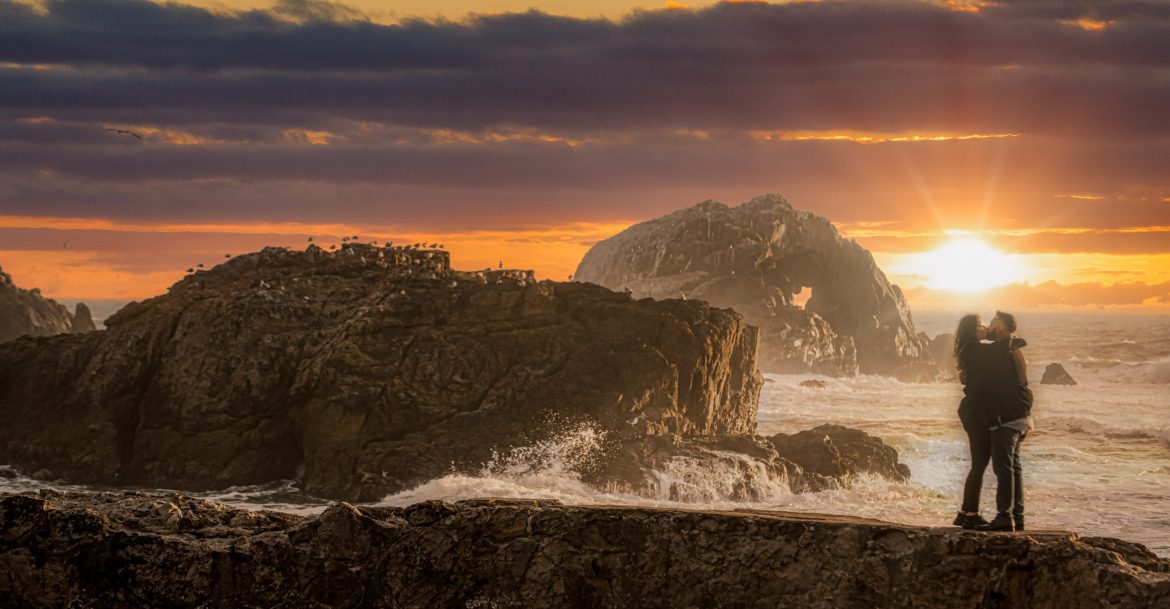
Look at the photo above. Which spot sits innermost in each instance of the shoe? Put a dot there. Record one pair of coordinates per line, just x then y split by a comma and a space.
969, 521
1002, 522
1018, 522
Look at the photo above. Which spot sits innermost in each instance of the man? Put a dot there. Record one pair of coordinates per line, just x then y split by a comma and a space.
1008, 416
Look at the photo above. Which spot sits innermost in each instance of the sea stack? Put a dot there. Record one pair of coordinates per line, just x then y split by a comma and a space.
755, 258
1055, 374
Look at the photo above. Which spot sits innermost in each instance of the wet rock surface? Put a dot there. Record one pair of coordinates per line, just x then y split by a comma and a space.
362, 372
841, 453
137, 550
28, 313
755, 258
1055, 374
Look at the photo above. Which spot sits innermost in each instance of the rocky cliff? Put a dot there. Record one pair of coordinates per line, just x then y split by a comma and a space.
363, 372
28, 313
134, 550
755, 258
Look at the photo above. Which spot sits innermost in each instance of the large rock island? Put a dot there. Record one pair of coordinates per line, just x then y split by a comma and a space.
131, 550
362, 372
755, 258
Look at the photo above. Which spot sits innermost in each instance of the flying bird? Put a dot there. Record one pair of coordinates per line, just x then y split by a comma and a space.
123, 132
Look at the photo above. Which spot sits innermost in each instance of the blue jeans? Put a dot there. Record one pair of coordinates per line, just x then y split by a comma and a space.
1005, 462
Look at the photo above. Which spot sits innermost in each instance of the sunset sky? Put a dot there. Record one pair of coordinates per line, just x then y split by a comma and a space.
1021, 144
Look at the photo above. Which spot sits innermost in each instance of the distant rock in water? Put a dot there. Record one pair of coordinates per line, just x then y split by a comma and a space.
82, 321
755, 258
364, 372
28, 313
131, 550
1055, 374
814, 384
942, 348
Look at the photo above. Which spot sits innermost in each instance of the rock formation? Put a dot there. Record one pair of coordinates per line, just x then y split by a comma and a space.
82, 321
942, 348
28, 313
755, 258
132, 550
363, 372
1055, 374
838, 452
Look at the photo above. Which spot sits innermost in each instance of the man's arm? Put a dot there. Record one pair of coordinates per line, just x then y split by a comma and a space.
1021, 366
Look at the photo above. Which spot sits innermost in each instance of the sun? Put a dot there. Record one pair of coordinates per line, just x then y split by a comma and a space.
966, 265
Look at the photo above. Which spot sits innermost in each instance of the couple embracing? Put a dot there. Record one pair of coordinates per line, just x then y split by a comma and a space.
996, 413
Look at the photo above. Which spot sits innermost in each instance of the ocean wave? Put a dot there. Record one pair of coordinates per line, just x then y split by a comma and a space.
1160, 372
1087, 425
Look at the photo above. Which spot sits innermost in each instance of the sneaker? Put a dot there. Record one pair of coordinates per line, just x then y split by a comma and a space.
969, 521
1002, 522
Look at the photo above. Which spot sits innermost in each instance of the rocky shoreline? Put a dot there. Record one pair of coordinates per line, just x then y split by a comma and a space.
130, 549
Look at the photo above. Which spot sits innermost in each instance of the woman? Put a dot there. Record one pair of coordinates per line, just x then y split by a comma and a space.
971, 358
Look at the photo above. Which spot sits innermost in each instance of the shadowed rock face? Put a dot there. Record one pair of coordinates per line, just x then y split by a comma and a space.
82, 321
755, 258
133, 550
361, 373
27, 313
1055, 374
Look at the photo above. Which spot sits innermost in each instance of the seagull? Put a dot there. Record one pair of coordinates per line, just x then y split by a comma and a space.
501, 264
227, 255
333, 247
200, 265
310, 239
123, 132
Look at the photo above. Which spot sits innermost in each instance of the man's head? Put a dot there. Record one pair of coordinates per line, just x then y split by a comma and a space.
1002, 326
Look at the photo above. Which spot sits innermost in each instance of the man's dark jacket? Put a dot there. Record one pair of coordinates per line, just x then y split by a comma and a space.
992, 392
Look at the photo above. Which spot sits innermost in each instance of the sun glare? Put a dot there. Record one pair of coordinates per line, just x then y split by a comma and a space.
965, 265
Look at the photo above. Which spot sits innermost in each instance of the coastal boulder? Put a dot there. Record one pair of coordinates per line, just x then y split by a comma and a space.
755, 258
363, 372
1055, 374
130, 550
840, 453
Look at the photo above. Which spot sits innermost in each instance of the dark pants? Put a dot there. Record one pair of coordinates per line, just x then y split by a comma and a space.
1005, 461
980, 442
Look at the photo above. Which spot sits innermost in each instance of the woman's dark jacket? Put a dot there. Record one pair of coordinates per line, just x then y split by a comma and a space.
992, 393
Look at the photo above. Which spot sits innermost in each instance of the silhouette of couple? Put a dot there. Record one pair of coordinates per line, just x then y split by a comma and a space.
996, 413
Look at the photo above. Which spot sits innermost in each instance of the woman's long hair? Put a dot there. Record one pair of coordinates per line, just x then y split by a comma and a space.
966, 334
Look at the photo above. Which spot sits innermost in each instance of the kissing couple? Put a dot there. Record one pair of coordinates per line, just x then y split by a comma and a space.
996, 413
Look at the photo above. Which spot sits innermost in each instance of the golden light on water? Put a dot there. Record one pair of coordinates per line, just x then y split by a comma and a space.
965, 264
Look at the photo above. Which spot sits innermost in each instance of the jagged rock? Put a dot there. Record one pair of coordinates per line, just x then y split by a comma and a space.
794, 341
82, 321
942, 348
814, 384
134, 550
363, 372
839, 452
1055, 374
706, 470
755, 258
28, 313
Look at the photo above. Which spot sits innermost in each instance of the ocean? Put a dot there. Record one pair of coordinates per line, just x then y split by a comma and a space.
1098, 462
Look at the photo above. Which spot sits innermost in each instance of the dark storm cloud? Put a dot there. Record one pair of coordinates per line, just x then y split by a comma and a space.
898, 66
